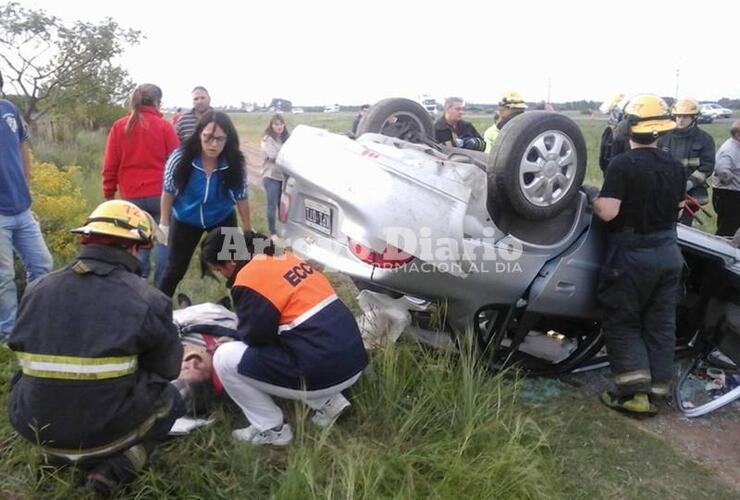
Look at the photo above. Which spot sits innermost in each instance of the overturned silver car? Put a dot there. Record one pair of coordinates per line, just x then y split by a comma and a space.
507, 242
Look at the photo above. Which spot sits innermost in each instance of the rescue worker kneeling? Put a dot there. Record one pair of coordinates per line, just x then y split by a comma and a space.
640, 281
298, 340
97, 348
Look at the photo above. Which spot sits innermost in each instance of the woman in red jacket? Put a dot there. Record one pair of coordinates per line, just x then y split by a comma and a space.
137, 148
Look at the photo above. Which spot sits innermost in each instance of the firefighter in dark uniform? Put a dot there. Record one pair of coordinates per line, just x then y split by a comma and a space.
97, 348
694, 148
640, 281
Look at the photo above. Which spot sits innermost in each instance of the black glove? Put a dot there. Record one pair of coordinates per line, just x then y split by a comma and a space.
474, 143
592, 192
693, 183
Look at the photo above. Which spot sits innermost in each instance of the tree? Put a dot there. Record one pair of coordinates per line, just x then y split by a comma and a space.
49, 63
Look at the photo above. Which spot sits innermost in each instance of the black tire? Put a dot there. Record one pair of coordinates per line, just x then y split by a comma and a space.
398, 117
561, 173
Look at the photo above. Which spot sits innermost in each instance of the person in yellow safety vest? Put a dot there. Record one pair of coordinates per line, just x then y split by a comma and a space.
97, 348
510, 105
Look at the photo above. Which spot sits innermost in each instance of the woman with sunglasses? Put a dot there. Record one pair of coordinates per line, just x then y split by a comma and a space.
205, 184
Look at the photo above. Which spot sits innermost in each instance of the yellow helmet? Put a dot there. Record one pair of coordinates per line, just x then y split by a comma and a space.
686, 106
611, 103
122, 219
512, 100
648, 114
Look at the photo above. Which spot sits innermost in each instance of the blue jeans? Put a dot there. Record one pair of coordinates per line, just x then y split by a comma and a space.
273, 188
151, 205
21, 233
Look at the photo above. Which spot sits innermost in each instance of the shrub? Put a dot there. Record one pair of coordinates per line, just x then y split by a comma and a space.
59, 205
86, 151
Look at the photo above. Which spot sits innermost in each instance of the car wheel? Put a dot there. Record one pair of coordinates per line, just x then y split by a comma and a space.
398, 117
538, 164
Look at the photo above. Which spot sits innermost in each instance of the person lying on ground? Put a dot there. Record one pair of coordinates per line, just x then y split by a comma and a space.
202, 328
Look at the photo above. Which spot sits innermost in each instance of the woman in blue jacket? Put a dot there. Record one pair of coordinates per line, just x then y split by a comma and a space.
205, 184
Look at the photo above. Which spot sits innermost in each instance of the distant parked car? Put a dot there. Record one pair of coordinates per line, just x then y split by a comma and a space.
702, 118
332, 108
297, 110
715, 110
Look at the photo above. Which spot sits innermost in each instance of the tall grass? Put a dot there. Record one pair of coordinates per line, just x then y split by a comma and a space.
426, 424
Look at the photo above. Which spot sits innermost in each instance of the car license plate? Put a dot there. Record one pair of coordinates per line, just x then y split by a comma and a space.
318, 216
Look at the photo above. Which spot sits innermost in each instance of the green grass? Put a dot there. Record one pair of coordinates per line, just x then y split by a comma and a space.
426, 425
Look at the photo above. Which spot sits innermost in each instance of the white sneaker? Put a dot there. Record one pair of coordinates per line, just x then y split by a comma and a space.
330, 411
275, 437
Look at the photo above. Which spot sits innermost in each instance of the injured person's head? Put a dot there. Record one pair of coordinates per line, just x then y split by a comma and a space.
197, 364
202, 329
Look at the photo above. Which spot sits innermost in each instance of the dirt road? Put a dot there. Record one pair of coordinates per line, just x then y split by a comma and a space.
713, 440
255, 159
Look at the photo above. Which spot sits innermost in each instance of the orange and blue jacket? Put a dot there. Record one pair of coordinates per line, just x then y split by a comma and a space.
300, 335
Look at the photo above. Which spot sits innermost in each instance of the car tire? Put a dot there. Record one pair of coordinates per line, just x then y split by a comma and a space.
398, 117
538, 164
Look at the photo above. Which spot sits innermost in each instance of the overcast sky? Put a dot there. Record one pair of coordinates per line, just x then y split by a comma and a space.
350, 52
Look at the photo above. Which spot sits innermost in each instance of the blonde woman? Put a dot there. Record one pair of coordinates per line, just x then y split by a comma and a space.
276, 134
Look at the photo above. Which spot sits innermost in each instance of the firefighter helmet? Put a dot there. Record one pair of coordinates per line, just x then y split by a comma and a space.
648, 114
610, 104
122, 219
512, 99
686, 106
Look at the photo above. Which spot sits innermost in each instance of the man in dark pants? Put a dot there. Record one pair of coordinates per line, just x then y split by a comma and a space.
640, 281
726, 183
694, 148
97, 348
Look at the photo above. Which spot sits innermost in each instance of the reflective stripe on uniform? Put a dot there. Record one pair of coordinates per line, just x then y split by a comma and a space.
116, 446
660, 389
76, 368
632, 377
691, 162
137, 455
308, 314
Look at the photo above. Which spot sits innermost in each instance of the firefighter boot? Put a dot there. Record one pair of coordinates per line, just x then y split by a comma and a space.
635, 405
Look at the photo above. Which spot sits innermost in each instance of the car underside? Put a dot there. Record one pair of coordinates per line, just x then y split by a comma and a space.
506, 245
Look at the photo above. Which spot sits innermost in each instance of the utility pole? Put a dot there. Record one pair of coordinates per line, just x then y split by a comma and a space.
549, 88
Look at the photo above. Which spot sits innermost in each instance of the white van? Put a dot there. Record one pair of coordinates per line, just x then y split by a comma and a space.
428, 103
331, 108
